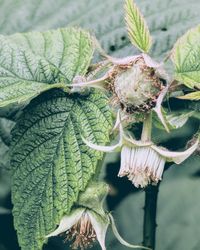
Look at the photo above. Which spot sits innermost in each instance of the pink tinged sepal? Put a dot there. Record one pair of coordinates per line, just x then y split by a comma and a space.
100, 226
177, 157
67, 222
118, 123
98, 83
159, 67
123, 61
158, 107
120, 239
113, 148
150, 62
105, 149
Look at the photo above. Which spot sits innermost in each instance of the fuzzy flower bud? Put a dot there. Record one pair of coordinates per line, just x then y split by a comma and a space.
136, 86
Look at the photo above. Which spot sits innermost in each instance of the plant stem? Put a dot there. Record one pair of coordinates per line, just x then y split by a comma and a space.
149, 227
147, 127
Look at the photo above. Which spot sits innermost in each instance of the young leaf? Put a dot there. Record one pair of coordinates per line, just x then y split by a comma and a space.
34, 62
185, 56
192, 96
50, 162
137, 28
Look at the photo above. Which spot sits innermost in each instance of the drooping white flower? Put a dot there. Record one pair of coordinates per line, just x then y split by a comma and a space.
88, 222
83, 227
142, 161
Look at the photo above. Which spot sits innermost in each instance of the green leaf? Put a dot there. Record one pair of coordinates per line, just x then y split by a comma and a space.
185, 56
167, 20
69, 50
32, 63
137, 28
50, 163
195, 96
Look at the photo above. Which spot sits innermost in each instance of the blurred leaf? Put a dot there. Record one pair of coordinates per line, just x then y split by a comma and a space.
137, 28
2, 247
5, 128
4, 210
167, 20
4, 184
185, 56
192, 96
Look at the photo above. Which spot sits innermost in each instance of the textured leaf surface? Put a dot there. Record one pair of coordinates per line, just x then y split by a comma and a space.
137, 28
32, 63
185, 55
167, 20
50, 162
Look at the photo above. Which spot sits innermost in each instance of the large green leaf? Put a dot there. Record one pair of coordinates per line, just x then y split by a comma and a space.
167, 20
69, 50
50, 163
137, 28
34, 62
185, 55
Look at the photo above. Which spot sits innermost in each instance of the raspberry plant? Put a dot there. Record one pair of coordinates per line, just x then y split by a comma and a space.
69, 110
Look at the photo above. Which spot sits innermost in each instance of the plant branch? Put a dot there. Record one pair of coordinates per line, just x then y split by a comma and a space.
149, 227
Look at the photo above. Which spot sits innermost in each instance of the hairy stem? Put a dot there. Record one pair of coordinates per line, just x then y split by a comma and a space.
149, 227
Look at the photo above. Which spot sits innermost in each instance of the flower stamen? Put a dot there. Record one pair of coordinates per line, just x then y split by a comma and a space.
82, 233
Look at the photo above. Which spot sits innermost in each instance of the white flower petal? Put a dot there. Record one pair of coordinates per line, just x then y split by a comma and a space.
177, 157
67, 222
160, 169
100, 226
122, 241
124, 167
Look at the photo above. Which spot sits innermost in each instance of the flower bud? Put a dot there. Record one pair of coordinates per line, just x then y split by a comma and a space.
136, 86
